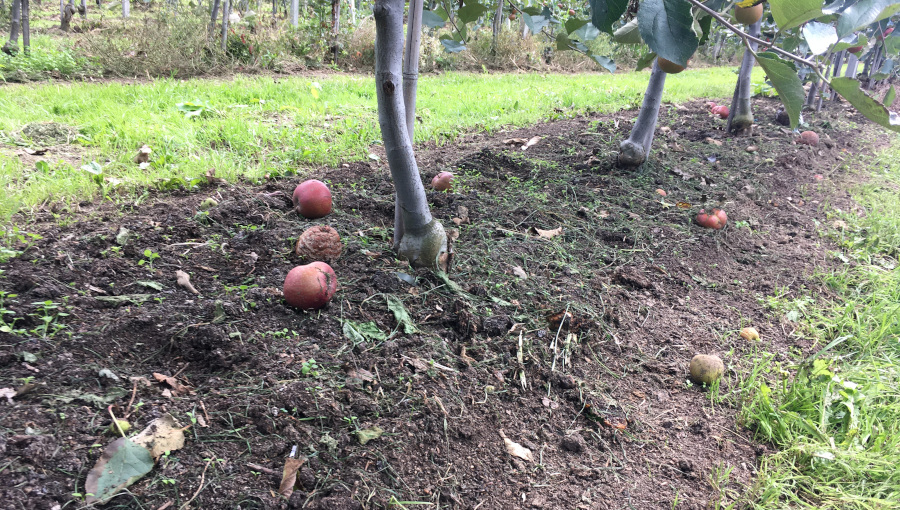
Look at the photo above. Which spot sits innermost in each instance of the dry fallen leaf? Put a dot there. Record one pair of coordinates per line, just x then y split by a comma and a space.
163, 435
549, 234
515, 141
172, 382
289, 476
530, 142
9, 393
515, 449
184, 280
518, 271
713, 141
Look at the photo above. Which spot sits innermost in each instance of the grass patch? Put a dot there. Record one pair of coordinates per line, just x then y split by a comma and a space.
835, 416
255, 126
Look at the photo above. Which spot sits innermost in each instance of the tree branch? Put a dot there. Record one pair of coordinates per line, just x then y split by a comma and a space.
747, 37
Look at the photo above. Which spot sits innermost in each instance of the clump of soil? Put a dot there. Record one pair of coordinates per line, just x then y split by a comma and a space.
48, 133
578, 297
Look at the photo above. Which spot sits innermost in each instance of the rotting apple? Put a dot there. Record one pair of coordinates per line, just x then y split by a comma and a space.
310, 286
320, 242
706, 369
312, 199
442, 181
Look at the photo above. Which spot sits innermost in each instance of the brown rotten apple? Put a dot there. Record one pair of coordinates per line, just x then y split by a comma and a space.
311, 286
810, 138
319, 243
312, 199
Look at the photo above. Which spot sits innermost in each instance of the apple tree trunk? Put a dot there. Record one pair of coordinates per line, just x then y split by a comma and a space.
226, 12
410, 84
852, 64
26, 26
496, 26
336, 29
12, 45
423, 242
126, 8
295, 13
740, 117
634, 151
213, 18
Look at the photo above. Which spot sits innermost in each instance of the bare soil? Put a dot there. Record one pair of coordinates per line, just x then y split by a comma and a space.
573, 343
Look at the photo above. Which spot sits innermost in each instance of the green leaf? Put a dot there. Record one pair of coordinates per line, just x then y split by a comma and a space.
452, 46
471, 11
93, 167
819, 36
122, 463
401, 315
604, 62
42, 166
864, 13
605, 13
890, 96
629, 33
667, 27
645, 61
562, 42
359, 333
535, 23
431, 19
793, 13
586, 33
783, 76
705, 28
850, 90
573, 24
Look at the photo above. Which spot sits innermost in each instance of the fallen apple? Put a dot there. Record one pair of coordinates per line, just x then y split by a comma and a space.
722, 111
749, 333
808, 138
715, 220
706, 369
312, 199
442, 181
311, 286
321, 243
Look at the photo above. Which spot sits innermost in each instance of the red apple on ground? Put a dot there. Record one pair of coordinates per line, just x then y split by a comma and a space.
312, 199
311, 286
808, 138
442, 181
715, 220
722, 111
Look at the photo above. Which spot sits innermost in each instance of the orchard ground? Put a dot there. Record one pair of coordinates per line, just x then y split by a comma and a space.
577, 297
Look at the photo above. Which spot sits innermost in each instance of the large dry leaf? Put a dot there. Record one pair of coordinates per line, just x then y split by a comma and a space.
122, 463
9, 393
289, 476
530, 142
163, 435
515, 449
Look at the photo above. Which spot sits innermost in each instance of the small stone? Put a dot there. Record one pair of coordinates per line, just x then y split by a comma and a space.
752, 149
573, 443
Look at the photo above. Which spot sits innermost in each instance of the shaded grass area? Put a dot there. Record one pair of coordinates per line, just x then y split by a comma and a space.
253, 127
835, 416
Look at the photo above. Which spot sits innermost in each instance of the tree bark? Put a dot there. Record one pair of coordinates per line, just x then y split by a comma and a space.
496, 26
213, 18
336, 29
295, 13
852, 64
226, 11
12, 45
66, 11
126, 8
424, 242
82, 9
634, 151
410, 85
26, 26
740, 117
838, 65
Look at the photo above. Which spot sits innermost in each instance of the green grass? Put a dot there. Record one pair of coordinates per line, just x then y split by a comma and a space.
255, 126
835, 416
48, 58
